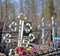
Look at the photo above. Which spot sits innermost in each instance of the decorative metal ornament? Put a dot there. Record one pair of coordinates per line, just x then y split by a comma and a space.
13, 27
28, 27
7, 37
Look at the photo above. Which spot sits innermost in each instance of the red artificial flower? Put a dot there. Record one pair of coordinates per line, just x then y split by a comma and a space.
33, 50
19, 49
24, 52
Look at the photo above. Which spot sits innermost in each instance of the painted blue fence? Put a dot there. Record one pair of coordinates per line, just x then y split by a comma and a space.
54, 40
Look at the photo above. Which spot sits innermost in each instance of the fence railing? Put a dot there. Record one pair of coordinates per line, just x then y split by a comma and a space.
53, 52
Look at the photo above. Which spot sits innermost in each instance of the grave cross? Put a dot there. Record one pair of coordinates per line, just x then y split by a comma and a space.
44, 27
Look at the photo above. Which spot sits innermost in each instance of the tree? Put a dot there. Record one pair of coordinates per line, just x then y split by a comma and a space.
32, 12
7, 13
49, 9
